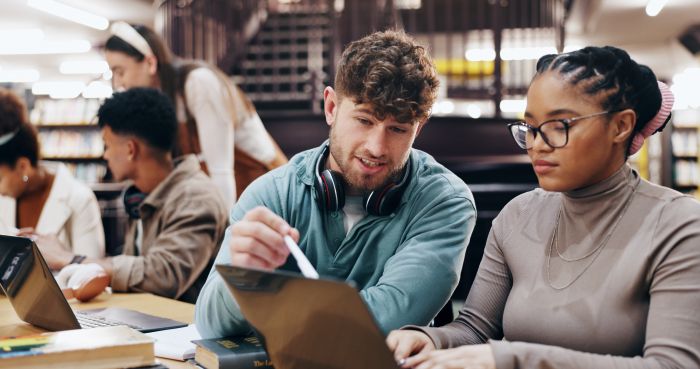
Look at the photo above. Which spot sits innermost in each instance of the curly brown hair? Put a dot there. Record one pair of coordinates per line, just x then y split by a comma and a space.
13, 118
13, 112
390, 71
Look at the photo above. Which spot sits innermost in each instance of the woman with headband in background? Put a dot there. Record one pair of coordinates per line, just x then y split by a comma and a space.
215, 115
43, 200
596, 269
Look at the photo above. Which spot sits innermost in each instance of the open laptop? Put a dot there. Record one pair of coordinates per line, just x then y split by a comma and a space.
31, 288
308, 323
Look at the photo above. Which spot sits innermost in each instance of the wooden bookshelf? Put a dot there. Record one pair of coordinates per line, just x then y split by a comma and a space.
685, 151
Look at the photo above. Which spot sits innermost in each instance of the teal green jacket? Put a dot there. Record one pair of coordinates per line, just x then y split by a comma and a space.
406, 265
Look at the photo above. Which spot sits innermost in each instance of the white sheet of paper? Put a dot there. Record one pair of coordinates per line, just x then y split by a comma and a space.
176, 343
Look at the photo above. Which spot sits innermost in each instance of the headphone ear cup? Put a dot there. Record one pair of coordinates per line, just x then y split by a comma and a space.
133, 198
383, 202
330, 189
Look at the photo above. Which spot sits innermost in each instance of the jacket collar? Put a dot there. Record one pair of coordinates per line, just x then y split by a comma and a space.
185, 166
306, 171
56, 209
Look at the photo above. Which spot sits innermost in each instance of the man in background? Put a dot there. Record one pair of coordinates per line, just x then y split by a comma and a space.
176, 221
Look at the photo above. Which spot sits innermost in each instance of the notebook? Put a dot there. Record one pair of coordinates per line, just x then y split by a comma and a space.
34, 294
308, 323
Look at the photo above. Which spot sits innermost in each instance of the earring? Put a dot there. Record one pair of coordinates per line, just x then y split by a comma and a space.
25, 178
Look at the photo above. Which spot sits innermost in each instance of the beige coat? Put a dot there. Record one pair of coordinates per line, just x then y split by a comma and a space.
71, 212
183, 223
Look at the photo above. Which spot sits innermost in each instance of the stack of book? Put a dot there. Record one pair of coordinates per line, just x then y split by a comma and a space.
238, 352
95, 348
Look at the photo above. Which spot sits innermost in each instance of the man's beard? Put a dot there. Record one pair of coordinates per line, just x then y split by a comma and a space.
361, 182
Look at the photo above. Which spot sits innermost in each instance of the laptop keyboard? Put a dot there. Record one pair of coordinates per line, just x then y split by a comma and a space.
92, 321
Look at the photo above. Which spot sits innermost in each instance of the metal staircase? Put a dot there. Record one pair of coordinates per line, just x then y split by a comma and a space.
288, 63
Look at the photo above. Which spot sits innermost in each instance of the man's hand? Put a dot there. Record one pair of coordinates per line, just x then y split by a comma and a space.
82, 281
257, 241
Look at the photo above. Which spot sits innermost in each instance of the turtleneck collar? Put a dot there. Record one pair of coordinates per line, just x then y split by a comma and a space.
623, 177
588, 215
603, 198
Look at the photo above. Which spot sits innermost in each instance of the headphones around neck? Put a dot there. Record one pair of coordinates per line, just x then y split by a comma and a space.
330, 189
133, 198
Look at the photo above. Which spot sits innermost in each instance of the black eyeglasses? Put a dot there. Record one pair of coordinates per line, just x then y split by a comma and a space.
555, 132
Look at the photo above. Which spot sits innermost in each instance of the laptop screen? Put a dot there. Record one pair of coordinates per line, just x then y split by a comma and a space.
308, 323
31, 288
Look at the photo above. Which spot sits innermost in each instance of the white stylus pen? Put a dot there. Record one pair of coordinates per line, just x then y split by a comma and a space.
304, 264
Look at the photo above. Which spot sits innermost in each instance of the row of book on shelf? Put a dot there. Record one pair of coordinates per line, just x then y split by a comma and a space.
124, 347
685, 143
71, 144
88, 172
686, 173
64, 111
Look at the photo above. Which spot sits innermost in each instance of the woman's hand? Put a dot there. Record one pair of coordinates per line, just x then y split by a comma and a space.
52, 250
405, 343
463, 357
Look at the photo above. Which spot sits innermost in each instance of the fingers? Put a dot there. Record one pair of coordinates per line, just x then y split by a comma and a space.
405, 343
26, 232
266, 216
257, 241
468, 356
252, 261
65, 274
401, 344
294, 233
416, 361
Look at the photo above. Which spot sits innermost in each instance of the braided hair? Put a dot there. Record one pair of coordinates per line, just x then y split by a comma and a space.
611, 73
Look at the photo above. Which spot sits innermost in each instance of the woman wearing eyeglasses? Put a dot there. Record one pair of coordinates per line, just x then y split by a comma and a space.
596, 269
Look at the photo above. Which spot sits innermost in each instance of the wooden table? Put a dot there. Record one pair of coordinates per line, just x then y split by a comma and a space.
11, 325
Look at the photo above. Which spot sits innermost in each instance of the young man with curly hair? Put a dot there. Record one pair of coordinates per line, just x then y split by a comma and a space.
176, 222
364, 206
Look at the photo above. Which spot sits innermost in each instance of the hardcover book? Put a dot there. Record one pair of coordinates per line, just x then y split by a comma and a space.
97, 348
237, 352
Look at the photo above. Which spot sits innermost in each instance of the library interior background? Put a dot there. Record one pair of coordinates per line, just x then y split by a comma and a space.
283, 52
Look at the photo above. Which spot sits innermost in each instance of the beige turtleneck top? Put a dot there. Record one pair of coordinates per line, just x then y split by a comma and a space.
618, 287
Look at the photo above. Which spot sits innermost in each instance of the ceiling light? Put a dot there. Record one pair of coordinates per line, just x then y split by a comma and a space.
480, 55
59, 89
685, 89
70, 13
58, 47
509, 53
444, 107
526, 53
84, 67
654, 7
21, 35
513, 106
474, 111
97, 90
19, 75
